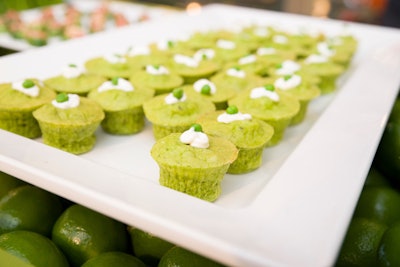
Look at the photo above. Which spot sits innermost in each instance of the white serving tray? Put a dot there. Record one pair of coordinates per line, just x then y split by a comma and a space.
293, 211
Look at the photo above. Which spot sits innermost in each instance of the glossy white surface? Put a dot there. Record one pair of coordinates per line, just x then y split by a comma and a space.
293, 211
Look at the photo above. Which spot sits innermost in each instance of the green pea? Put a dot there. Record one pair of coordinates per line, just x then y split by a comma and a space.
232, 110
170, 44
114, 81
62, 97
269, 87
197, 127
279, 66
177, 93
28, 84
206, 90
287, 77
72, 65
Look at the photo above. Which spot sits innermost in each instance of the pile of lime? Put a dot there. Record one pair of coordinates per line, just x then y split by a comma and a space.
40, 229
373, 235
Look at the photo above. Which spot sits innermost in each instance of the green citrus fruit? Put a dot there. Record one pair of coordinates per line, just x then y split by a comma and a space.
8, 182
147, 247
375, 178
379, 203
114, 259
82, 233
388, 254
32, 248
360, 246
29, 208
180, 257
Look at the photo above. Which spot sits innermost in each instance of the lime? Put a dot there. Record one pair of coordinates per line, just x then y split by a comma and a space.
32, 248
29, 208
375, 178
379, 203
114, 259
360, 246
82, 233
147, 247
180, 257
8, 182
388, 253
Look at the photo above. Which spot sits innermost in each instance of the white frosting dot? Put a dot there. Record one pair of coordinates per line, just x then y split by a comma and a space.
199, 84
32, 91
122, 84
195, 139
228, 118
72, 102
259, 92
288, 83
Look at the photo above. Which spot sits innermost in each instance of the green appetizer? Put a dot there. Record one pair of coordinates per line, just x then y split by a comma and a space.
236, 79
267, 104
110, 65
250, 136
174, 112
122, 103
206, 89
157, 77
69, 122
74, 80
193, 162
17, 102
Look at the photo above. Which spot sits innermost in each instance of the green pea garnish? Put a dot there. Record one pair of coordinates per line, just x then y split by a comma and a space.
170, 44
28, 84
287, 77
62, 97
177, 93
236, 68
269, 87
72, 65
197, 127
232, 110
279, 66
156, 67
114, 81
206, 90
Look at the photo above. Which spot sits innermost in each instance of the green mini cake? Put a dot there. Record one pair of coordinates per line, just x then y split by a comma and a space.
138, 57
275, 108
296, 86
110, 65
326, 70
17, 102
192, 69
174, 112
122, 103
250, 135
228, 50
69, 122
206, 89
236, 79
194, 163
74, 80
335, 52
157, 77
250, 63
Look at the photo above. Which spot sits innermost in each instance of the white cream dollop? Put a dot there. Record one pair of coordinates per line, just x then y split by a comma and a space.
315, 59
115, 58
72, 102
263, 51
72, 71
31, 91
122, 84
236, 73
186, 60
165, 44
288, 68
280, 39
207, 53
228, 118
247, 59
195, 139
159, 70
261, 32
199, 84
325, 49
259, 92
284, 83
171, 99
139, 50
226, 44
